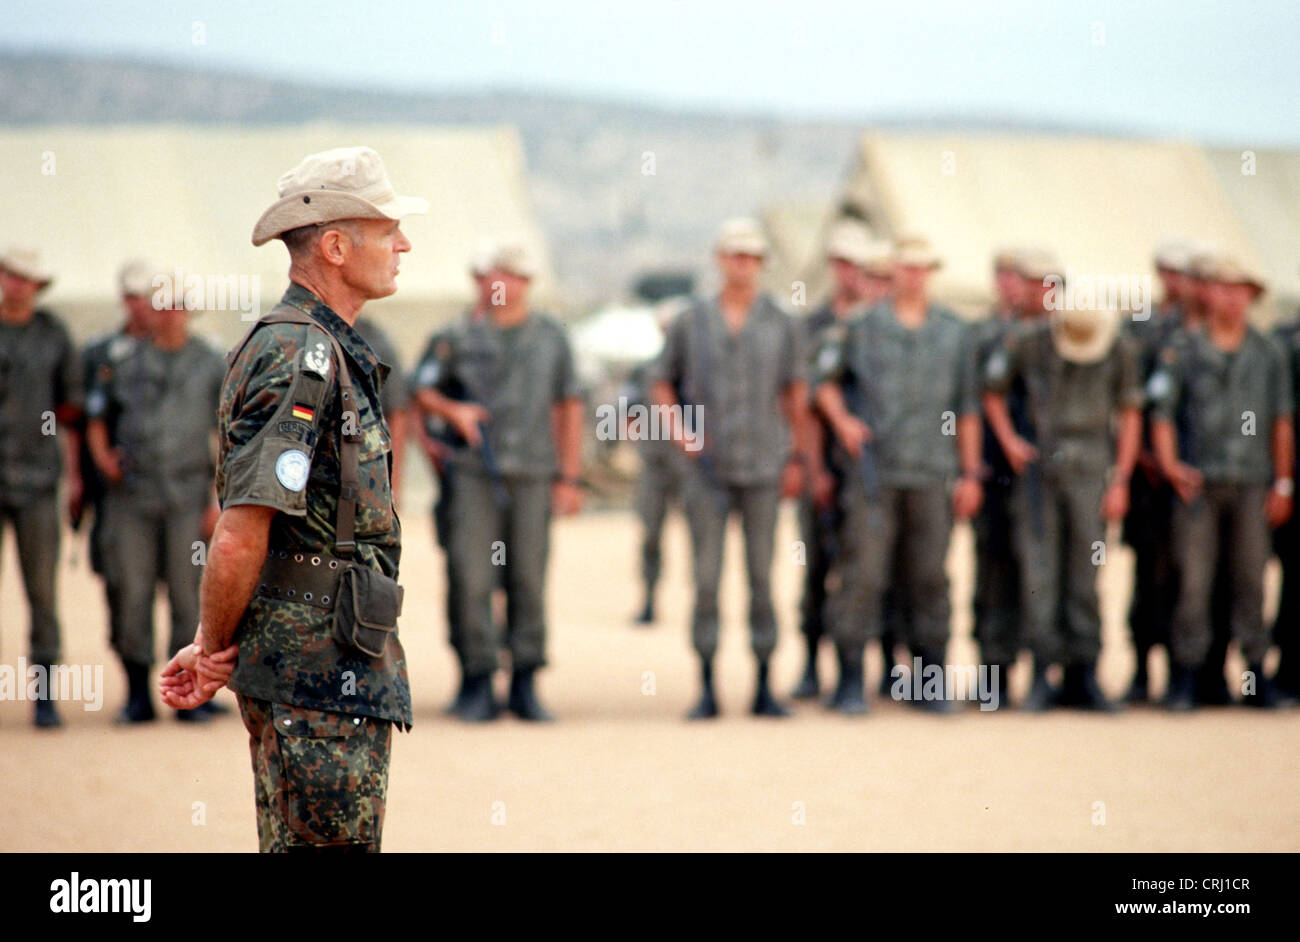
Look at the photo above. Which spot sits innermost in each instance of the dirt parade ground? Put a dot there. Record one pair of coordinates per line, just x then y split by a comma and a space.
623, 770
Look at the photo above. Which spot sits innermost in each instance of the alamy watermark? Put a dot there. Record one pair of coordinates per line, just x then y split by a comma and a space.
947, 682
82, 683
638, 422
242, 293
1127, 294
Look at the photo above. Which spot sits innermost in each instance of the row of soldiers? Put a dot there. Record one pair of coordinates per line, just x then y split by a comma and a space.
1040, 423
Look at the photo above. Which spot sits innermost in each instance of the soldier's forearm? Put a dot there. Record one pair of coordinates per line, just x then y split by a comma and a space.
995, 407
969, 440
235, 561
97, 442
830, 402
568, 443
795, 403
1164, 444
663, 395
434, 403
1130, 444
1283, 448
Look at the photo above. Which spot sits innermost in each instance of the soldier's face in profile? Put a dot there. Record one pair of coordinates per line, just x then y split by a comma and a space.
1007, 283
847, 277
513, 288
873, 288
17, 289
373, 260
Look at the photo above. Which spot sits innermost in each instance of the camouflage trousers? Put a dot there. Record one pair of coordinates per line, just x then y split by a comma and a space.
320, 779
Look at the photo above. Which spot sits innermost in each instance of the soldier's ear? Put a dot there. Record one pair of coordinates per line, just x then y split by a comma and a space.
333, 246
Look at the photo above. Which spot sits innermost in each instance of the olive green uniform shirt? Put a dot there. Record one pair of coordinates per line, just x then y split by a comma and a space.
40, 373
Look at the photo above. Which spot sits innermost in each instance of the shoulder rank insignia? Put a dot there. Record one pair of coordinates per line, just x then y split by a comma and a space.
317, 360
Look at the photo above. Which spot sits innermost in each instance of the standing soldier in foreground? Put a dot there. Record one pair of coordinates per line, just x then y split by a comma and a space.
1081, 380
1222, 432
736, 361
303, 565
517, 461
40, 389
849, 250
996, 601
150, 421
902, 396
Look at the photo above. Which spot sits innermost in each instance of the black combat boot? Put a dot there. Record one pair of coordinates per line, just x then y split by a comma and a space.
706, 708
810, 685
523, 701
1267, 696
1139, 690
647, 613
850, 693
931, 658
1086, 694
764, 703
1003, 685
139, 705
1042, 695
456, 705
46, 715
1211, 688
887, 671
479, 705
1181, 696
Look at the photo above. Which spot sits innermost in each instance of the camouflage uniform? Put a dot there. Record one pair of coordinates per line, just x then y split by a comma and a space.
321, 762
518, 374
1056, 503
1207, 393
905, 385
160, 410
737, 381
40, 375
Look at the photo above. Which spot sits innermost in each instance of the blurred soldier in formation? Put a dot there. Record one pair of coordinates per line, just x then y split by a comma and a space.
901, 394
856, 263
40, 390
997, 569
735, 364
663, 470
1080, 381
1151, 499
394, 398
1223, 435
1286, 543
514, 373
151, 421
435, 439
99, 361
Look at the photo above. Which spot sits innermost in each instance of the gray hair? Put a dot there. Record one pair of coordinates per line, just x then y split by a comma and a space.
301, 241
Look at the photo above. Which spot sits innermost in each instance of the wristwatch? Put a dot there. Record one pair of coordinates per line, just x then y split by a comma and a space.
1284, 487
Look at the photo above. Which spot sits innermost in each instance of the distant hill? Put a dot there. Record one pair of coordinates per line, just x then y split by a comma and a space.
608, 217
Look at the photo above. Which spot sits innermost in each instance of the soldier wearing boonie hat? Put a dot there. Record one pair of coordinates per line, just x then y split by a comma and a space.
902, 394
1224, 436
1080, 377
300, 599
736, 361
40, 380
508, 387
151, 412
849, 250
996, 602
1146, 526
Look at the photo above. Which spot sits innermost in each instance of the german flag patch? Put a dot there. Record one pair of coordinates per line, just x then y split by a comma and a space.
303, 411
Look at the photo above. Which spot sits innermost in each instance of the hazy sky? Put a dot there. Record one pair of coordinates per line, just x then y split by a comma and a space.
1219, 72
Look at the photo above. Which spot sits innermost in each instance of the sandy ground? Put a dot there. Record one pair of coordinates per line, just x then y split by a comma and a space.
622, 770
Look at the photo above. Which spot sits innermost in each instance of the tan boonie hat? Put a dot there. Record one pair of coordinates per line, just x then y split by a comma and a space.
915, 252
1007, 260
1173, 255
136, 277
849, 241
344, 183
1038, 264
26, 263
1084, 336
514, 257
741, 237
1225, 270
880, 259
480, 263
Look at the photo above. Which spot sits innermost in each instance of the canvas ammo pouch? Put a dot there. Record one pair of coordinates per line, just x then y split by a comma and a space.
365, 602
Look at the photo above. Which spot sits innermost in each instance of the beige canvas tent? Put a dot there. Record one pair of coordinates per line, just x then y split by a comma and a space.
1263, 188
88, 197
1101, 204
